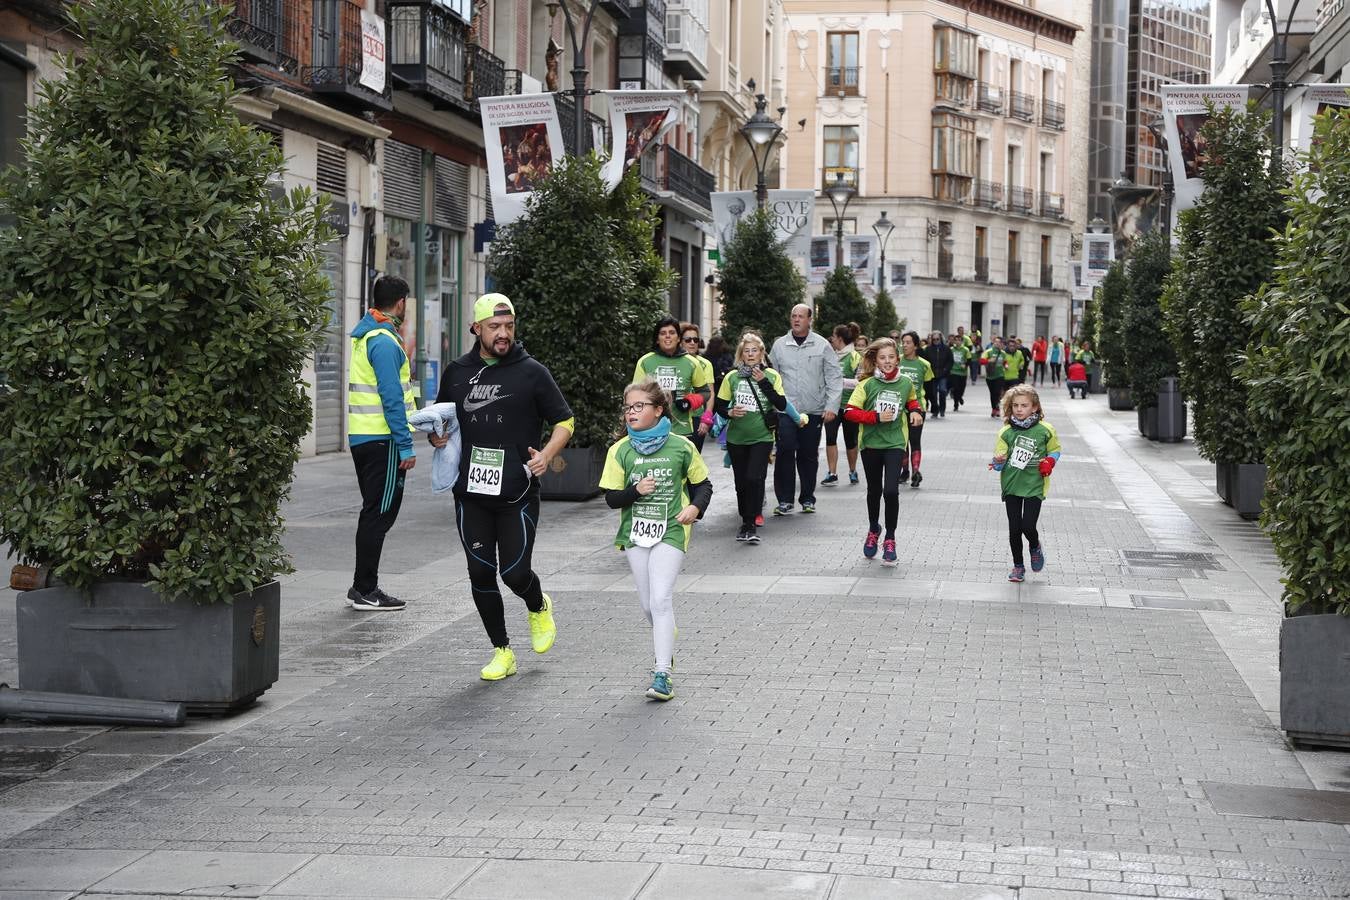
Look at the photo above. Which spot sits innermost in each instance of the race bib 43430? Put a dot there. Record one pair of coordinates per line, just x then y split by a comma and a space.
649, 524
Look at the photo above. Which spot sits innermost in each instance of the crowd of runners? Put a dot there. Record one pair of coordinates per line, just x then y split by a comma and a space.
764, 405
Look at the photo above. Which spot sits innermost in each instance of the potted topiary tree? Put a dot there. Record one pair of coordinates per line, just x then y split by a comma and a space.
841, 302
759, 282
1295, 371
582, 269
1225, 251
1112, 296
883, 320
1152, 361
159, 308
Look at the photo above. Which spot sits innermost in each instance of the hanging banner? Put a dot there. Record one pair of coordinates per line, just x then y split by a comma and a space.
821, 261
1098, 253
1082, 291
1185, 112
898, 277
1318, 98
637, 120
522, 139
860, 254
790, 210
372, 52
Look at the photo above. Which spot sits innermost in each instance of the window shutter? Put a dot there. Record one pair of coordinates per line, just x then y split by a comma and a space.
451, 206
402, 181
331, 173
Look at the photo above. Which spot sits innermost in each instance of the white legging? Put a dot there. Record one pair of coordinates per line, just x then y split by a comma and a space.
654, 571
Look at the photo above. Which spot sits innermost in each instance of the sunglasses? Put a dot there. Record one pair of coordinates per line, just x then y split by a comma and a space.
690, 340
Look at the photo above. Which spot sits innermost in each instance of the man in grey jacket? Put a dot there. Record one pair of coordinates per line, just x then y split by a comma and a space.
813, 383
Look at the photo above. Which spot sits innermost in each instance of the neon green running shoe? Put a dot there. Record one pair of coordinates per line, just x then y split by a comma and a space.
542, 629
503, 664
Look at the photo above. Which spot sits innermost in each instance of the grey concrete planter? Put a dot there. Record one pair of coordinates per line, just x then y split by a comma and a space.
1148, 422
124, 640
1095, 383
1315, 679
574, 474
1118, 398
1171, 412
1248, 487
1223, 481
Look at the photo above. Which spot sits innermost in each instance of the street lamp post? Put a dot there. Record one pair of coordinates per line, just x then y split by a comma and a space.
1279, 74
841, 194
1156, 129
579, 71
760, 132
882, 228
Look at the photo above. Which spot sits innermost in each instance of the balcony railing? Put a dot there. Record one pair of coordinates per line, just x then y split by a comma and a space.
595, 128
427, 52
686, 44
1021, 106
981, 268
1047, 277
945, 266
485, 75
511, 82
841, 80
988, 194
256, 25
686, 178
335, 63
989, 97
1014, 272
1052, 205
1020, 199
1052, 114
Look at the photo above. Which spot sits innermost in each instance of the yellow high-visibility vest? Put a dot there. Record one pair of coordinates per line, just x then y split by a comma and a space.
365, 412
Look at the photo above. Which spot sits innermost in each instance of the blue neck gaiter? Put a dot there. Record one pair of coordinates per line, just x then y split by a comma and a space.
651, 440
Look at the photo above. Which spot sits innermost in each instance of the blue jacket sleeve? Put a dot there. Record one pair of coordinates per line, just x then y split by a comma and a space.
386, 358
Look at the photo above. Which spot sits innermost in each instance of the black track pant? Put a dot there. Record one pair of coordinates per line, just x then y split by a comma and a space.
882, 468
913, 457
1054, 373
996, 387
749, 466
381, 482
497, 533
1023, 514
958, 387
1039, 377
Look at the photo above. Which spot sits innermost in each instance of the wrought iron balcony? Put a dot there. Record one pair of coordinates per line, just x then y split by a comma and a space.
945, 264
427, 52
841, 80
256, 25
335, 61
1020, 199
665, 169
485, 75
982, 268
1052, 114
596, 129
1015, 272
989, 97
1052, 205
1021, 106
616, 8
1047, 277
512, 83
988, 194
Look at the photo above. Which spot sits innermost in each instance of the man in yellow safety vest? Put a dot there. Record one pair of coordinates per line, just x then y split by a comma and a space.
379, 399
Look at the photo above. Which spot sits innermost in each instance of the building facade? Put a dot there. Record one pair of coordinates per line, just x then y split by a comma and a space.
953, 119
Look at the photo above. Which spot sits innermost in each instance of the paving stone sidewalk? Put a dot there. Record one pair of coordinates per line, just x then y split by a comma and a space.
840, 730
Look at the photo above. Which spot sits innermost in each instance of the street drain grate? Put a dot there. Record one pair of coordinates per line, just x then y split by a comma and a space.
1264, 802
1169, 559
1154, 601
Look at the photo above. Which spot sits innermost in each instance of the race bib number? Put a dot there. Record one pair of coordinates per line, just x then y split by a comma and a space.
668, 379
1022, 454
485, 471
888, 402
745, 398
649, 524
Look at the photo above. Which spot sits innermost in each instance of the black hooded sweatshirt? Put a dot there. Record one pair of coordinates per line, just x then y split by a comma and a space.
504, 406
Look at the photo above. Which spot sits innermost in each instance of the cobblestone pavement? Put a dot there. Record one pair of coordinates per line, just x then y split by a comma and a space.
840, 730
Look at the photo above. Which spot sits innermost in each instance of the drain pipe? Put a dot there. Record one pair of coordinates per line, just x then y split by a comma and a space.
47, 707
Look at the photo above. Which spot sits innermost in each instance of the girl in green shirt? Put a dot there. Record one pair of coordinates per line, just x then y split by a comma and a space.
919, 372
750, 399
645, 477
1024, 456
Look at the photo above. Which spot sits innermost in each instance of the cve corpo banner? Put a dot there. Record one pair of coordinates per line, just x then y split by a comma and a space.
791, 212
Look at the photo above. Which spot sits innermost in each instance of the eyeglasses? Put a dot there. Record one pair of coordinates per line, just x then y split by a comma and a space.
637, 407
690, 340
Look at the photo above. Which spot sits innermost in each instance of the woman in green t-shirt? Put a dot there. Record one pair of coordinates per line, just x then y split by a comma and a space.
878, 405
645, 477
750, 399
1024, 456
842, 340
919, 372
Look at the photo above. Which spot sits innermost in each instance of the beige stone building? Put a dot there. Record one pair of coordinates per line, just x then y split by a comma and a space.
965, 123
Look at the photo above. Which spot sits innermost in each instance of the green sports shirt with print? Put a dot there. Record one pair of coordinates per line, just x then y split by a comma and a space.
1024, 449
1012, 364
960, 356
677, 375
650, 520
737, 391
875, 395
918, 371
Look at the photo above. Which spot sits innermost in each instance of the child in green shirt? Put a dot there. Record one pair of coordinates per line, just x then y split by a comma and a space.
1024, 456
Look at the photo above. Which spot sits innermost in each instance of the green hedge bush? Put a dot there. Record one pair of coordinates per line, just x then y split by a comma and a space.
159, 307
1151, 357
1109, 341
759, 282
883, 320
841, 302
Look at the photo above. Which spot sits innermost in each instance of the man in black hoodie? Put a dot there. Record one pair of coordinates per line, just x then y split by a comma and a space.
503, 398
939, 356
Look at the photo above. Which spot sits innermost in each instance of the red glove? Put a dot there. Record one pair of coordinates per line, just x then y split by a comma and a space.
861, 416
1047, 466
695, 401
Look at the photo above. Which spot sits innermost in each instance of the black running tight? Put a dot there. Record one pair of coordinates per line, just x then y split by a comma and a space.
499, 534
1023, 513
914, 458
882, 468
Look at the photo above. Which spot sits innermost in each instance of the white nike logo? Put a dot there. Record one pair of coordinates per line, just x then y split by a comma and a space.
482, 395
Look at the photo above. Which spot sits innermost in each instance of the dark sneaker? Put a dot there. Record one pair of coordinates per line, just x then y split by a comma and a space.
830, 479
904, 475
808, 506
888, 552
852, 477
870, 543
1018, 574
376, 601
751, 535
743, 534
1037, 559
782, 509
918, 477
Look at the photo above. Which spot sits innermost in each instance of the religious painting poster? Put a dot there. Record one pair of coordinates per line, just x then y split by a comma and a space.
821, 261
637, 121
898, 277
790, 211
1317, 99
523, 140
1185, 111
1098, 253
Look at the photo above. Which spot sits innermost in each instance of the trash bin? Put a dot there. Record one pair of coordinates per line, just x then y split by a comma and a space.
1095, 383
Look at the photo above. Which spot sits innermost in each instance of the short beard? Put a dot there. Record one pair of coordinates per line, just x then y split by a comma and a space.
485, 348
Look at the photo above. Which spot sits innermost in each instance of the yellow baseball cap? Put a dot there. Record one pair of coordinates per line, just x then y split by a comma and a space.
489, 305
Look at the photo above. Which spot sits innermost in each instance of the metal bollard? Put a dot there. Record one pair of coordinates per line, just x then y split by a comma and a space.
43, 706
